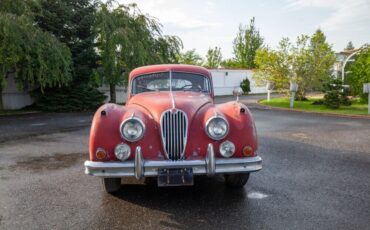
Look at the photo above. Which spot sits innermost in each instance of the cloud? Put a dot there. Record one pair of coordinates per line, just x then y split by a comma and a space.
180, 15
345, 13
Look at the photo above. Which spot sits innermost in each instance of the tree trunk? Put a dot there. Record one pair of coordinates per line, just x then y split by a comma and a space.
1, 97
112, 89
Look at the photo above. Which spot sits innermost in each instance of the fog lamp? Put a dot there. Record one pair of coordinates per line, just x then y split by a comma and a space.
122, 152
227, 149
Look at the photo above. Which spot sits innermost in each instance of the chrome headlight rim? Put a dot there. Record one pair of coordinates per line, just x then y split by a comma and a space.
128, 120
208, 123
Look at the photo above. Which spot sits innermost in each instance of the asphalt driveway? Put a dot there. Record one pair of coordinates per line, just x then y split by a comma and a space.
316, 175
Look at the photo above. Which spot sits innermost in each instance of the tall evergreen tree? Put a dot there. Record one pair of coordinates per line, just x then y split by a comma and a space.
71, 22
349, 46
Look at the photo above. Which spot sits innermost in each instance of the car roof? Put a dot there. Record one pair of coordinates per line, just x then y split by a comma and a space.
169, 67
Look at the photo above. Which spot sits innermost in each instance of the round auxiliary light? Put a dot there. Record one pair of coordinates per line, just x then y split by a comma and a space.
132, 129
100, 154
217, 128
122, 152
227, 149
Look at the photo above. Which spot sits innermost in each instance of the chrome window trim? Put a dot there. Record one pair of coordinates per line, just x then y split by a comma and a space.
209, 120
136, 119
209, 78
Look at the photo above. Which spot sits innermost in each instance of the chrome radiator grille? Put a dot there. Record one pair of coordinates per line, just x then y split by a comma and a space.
174, 129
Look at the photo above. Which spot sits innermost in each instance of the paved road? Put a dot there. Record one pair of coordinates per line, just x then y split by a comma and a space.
24, 125
316, 175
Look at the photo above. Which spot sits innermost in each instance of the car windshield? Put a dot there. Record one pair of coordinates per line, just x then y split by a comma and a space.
161, 82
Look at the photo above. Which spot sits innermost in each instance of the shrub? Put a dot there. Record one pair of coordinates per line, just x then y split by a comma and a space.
331, 99
69, 99
245, 85
335, 94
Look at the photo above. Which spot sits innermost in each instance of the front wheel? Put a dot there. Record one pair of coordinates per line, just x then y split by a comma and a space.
236, 180
112, 185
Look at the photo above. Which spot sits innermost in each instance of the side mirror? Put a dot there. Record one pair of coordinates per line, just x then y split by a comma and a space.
237, 92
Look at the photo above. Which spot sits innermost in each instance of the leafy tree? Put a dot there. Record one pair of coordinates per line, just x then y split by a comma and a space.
274, 66
36, 57
167, 49
360, 72
230, 63
301, 66
214, 57
349, 46
126, 39
246, 43
190, 57
308, 63
321, 60
71, 21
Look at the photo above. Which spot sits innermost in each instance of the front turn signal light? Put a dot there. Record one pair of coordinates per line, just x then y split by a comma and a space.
100, 154
247, 151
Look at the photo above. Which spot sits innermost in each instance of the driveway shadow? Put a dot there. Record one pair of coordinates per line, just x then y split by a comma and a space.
209, 204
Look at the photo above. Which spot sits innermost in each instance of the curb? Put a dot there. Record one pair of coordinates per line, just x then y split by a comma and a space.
353, 116
19, 113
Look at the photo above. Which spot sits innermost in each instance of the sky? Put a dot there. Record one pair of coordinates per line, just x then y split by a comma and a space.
209, 23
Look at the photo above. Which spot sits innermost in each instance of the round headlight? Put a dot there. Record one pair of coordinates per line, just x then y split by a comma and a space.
217, 128
122, 152
227, 149
132, 129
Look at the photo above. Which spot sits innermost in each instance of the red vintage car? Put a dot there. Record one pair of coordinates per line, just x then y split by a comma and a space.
170, 129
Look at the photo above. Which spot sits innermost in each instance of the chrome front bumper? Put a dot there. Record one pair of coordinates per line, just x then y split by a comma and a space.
141, 168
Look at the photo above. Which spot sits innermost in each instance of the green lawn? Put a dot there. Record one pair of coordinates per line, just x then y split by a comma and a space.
283, 102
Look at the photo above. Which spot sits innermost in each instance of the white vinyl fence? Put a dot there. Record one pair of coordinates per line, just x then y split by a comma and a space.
225, 80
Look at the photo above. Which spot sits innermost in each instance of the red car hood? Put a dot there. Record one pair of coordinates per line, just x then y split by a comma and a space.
158, 102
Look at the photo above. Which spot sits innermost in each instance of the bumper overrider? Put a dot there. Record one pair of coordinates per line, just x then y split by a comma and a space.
141, 168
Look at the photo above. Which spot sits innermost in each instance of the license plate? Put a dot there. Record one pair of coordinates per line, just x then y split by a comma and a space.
175, 177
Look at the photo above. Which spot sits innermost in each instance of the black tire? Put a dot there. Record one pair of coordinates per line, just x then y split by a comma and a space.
112, 185
236, 180
150, 181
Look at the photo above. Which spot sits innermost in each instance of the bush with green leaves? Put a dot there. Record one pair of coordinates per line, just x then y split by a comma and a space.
335, 94
246, 85
360, 72
69, 99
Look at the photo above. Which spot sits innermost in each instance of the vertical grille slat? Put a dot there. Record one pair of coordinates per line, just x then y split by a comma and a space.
174, 126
